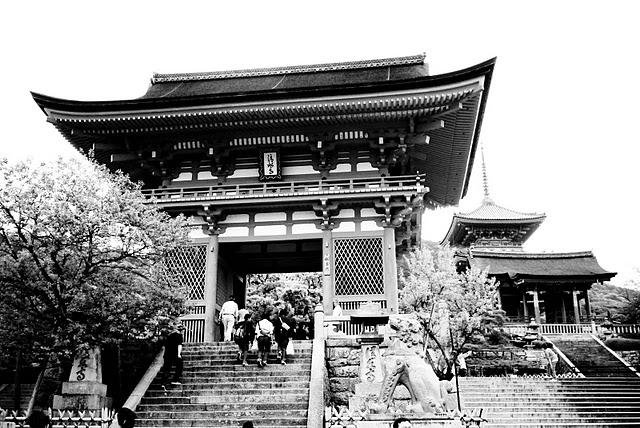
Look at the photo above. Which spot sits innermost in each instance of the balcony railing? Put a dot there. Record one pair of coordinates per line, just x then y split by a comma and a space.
291, 188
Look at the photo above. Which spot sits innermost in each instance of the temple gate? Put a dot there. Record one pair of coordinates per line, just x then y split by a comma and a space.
322, 168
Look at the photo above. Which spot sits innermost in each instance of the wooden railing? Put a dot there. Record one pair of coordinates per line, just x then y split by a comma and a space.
625, 328
291, 188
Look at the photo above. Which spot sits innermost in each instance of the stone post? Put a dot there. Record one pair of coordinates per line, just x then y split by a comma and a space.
211, 285
84, 390
318, 322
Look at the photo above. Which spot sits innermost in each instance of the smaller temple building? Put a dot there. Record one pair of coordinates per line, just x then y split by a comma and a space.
548, 287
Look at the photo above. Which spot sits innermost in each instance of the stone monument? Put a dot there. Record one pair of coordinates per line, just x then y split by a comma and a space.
84, 390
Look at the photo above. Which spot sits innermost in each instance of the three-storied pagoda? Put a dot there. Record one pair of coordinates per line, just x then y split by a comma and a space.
548, 287
292, 169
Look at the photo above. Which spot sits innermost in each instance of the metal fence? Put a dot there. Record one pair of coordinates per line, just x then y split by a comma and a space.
60, 418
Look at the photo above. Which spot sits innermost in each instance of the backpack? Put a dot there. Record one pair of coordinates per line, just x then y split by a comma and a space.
240, 333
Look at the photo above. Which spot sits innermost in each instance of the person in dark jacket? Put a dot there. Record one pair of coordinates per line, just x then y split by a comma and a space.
173, 356
283, 327
245, 332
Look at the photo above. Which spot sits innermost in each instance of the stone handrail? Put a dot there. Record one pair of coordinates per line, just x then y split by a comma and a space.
148, 377
615, 354
281, 188
565, 360
315, 410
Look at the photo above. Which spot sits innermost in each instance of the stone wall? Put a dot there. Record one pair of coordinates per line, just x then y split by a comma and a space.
343, 367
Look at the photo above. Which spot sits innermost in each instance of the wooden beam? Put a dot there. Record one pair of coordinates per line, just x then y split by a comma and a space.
123, 157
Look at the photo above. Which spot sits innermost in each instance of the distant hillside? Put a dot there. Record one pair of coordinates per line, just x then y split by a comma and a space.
613, 299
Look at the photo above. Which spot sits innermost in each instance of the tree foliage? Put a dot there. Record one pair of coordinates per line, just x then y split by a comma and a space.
452, 307
81, 258
300, 292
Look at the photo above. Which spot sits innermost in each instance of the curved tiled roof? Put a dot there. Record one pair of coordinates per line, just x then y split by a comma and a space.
490, 214
489, 210
295, 69
582, 266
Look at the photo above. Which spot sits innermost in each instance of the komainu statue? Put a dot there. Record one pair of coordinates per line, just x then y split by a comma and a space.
403, 366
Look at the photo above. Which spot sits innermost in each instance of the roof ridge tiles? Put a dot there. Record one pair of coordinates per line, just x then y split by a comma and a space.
294, 69
482, 252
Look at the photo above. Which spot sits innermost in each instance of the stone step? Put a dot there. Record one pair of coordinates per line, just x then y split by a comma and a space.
240, 398
225, 414
222, 399
270, 368
564, 425
253, 383
278, 422
241, 377
250, 372
241, 390
195, 387
239, 423
166, 407
272, 359
555, 409
234, 356
552, 394
557, 421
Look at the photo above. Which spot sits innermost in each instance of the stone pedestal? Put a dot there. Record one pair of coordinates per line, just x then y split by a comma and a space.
371, 374
84, 390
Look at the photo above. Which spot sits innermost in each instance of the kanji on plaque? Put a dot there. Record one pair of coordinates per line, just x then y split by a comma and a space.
270, 164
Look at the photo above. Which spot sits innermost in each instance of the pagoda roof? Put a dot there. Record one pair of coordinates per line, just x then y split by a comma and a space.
491, 214
489, 211
524, 267
356, 96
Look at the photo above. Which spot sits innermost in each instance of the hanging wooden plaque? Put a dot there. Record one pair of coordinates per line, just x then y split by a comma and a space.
269, 165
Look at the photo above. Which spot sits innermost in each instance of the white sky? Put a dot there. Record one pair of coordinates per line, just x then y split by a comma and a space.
560, 130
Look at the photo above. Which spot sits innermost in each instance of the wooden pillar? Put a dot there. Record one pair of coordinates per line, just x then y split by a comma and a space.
327, 270
563, 301
576, 307
390, 270
211, 286
524, 306
587, 305
536, 305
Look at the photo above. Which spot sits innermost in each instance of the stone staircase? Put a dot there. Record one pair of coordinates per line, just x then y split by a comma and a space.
217, 391
537, 403
591, 358
7, 399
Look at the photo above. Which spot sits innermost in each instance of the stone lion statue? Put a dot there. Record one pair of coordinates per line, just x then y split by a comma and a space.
403, 366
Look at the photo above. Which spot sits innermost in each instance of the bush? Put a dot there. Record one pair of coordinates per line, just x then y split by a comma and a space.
623, 344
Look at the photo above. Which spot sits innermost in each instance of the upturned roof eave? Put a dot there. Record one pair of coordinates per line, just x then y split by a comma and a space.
426, 82
457, 220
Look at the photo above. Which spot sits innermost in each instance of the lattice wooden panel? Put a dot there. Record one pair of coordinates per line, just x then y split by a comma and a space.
359, 267
190, 263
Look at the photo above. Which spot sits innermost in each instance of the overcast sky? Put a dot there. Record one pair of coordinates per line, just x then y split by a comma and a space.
560, 130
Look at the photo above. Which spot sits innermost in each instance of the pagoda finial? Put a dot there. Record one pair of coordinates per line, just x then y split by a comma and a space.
485, 180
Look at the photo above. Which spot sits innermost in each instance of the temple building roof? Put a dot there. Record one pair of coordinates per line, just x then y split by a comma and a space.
523, 267
491, 212
438, 116
287, 78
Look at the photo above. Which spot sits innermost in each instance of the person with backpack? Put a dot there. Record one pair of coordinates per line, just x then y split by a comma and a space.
283, 327
264, 332
243, 336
